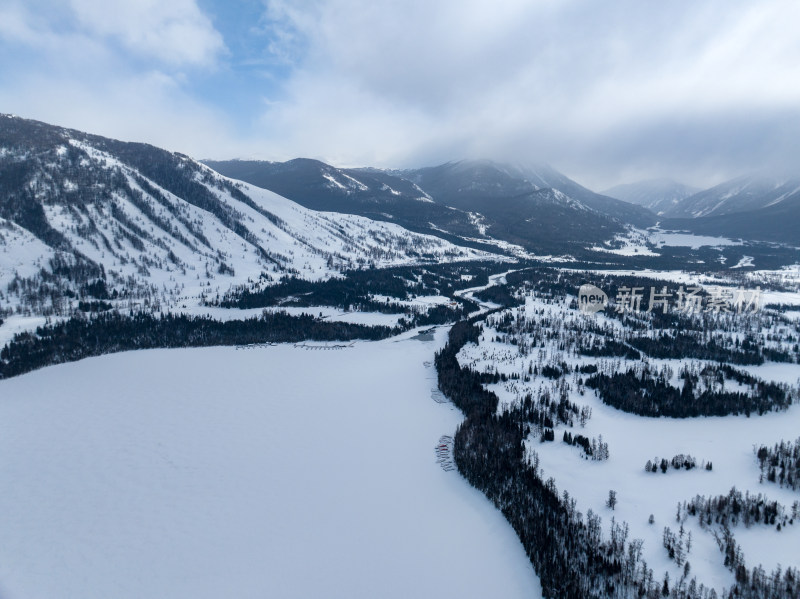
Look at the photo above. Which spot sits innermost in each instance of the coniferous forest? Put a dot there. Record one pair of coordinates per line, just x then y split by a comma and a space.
79, 338
569, 552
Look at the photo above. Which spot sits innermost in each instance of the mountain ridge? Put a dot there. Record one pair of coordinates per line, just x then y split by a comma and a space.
157, 227
741, 194
748, 207
470, 201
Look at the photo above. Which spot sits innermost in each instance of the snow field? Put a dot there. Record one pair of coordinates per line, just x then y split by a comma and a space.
269, 472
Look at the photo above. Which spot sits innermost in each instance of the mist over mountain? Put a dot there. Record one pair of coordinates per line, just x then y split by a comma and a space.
657, 195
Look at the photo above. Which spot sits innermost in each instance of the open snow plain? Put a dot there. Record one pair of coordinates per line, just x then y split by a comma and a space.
261, 472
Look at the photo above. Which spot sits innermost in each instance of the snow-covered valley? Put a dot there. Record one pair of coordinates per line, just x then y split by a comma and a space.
352, 408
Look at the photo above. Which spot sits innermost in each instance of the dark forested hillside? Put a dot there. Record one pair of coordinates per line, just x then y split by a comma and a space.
469, 201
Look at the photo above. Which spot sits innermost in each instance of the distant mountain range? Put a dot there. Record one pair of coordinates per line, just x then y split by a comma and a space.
658, 195
746, 208
755, 208
743, 194
750, 207
475, 201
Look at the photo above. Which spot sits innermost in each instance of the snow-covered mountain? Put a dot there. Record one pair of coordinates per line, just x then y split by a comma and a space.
310, 176
748, 207
657, 195
537, 206
471, 201
545, 176
82, 215
466, 180
737, 195
753, 208
373, 193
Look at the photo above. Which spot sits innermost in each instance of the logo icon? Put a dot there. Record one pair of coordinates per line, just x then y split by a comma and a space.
591, 299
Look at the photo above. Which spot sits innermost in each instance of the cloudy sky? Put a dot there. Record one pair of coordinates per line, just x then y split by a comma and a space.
607, 92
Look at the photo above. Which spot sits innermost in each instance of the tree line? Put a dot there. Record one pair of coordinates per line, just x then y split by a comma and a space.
780, 463
81, 337
647, 396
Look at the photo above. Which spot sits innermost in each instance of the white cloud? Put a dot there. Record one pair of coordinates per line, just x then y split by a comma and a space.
14, 25
596, 88
175, 32
148, 107
74, 74
697, 90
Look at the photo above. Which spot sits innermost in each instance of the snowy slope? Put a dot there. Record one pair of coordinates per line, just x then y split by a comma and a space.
233, 473
21, 253
162, 227
737, 195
